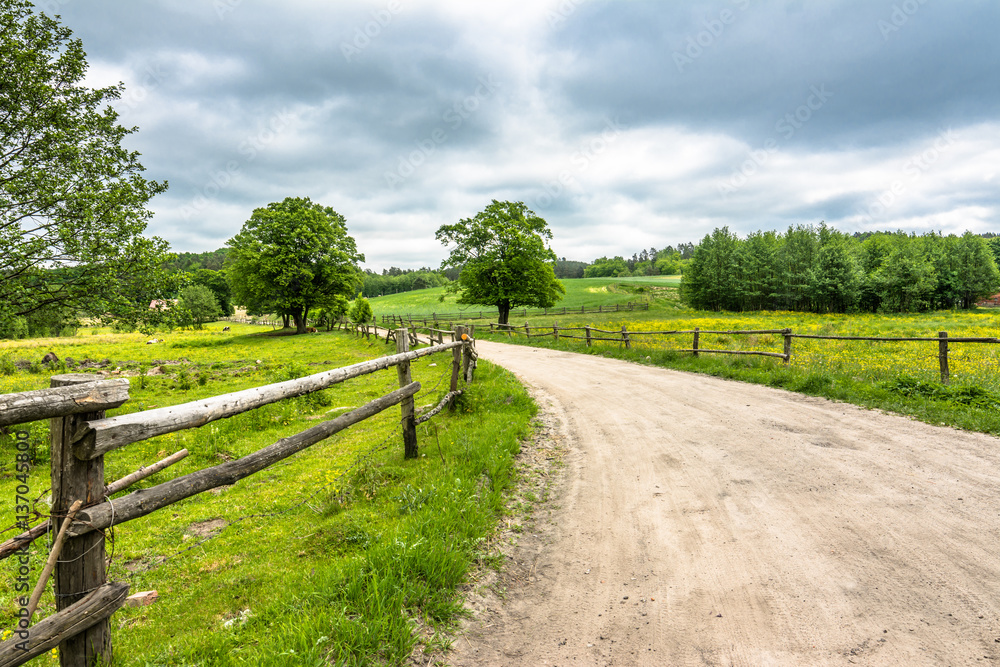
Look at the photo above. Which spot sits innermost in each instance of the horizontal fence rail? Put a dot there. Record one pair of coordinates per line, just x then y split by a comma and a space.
81, 434
470, 315
625, 337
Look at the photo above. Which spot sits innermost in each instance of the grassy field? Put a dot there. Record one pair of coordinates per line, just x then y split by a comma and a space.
898, 376
344, 554
589, 292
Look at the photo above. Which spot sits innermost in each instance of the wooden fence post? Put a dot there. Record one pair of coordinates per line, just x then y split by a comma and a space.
943, 356
555, 332
456, 360
409, 423
527, 330
587, 328
468, 366
694, 345
625, 338
788, 345
80, 568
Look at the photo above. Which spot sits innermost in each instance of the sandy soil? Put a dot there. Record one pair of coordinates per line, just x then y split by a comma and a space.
707, 522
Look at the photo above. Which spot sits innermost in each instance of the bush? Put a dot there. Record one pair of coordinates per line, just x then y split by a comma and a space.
361, 311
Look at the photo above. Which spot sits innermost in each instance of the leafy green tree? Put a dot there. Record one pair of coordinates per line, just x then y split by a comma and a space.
198, 303
217, 283
504, 258
835, 278
977, 270
335, 309
710, 281
361, 311
72, 199
602, 267
907, 277
290, 257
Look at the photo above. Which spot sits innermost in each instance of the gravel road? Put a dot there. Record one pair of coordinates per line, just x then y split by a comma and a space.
700, 521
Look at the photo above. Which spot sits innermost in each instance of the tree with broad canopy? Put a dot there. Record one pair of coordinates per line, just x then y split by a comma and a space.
504, 259
72, 199
290, 257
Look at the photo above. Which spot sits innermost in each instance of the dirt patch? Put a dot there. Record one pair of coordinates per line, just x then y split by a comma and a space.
703, 521
202, 529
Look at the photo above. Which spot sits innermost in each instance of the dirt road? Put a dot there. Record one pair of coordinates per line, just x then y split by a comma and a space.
707, 522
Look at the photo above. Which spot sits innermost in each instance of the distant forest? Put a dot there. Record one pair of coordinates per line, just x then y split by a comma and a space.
818, 269
807, 268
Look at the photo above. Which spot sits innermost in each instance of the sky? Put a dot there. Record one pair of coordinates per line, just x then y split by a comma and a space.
625, 125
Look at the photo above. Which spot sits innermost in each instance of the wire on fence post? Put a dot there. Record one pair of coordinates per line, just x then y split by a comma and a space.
82, 565
625, 338
694, 344
788, 345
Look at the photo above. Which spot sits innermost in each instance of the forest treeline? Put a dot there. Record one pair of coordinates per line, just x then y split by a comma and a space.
818, 269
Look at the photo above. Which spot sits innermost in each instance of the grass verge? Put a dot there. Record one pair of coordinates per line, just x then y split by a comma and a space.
344, 554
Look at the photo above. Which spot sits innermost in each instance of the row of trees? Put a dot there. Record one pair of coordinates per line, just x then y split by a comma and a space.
818, 269
396, 280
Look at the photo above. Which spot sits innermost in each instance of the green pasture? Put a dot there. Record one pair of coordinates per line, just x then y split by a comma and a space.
344, 554
580, 292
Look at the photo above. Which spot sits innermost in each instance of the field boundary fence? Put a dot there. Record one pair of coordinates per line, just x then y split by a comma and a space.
81, 435
434, 319
626, 338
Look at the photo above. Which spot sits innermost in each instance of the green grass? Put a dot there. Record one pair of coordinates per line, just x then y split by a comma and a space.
581, 292
334, 556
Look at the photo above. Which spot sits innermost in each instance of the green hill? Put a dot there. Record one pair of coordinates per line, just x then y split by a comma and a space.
587, 292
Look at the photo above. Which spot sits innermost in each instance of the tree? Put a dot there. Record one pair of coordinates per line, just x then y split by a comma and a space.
290, 257
72, 199
504, 259
361, 311
216, 282
199, 304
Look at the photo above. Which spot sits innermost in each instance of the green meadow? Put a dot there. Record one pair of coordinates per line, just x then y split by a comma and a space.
343, 554
902, 377
580, 292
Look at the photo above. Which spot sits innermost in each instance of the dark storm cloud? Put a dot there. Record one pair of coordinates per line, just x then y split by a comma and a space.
620, 122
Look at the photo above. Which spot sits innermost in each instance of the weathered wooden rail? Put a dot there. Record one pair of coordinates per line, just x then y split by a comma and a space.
625, 337
81, 435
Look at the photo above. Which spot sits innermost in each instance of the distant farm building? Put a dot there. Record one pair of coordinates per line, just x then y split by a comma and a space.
992, 302
161, 304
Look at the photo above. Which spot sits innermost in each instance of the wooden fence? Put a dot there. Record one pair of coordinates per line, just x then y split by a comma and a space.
626, 338
468, 316
81, 435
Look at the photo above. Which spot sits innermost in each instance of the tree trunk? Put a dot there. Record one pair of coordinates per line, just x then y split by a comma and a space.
284, 320
504, 311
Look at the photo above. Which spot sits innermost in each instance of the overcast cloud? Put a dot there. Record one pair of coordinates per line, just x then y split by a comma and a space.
624, 124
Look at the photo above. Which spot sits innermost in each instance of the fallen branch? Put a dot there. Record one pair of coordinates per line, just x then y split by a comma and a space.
440, 406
